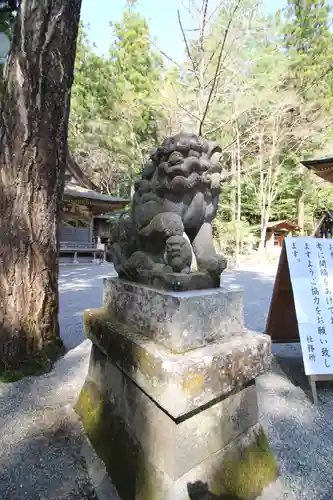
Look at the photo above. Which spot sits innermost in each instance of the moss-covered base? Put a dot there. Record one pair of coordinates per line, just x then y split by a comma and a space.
240, 471
111, 440
246, 471
34, 365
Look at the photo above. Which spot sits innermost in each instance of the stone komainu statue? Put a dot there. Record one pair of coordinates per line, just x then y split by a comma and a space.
166, 240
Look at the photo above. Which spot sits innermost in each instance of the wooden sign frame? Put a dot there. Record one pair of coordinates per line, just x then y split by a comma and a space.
282, 324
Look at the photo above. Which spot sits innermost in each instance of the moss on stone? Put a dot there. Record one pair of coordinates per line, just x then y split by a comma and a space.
90, 409
111, 440
34, 365
91, 315
118, 449
105, 330
146, 363
247, 472
193, 383
149, 484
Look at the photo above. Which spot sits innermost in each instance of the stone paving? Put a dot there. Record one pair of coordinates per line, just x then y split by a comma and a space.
43, 451
80, 288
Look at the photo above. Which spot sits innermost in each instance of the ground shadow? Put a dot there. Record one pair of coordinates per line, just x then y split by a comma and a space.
47, 462
293, 368
200, 491
80, 288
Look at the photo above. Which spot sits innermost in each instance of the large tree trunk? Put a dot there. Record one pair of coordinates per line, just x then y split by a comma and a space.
33, 140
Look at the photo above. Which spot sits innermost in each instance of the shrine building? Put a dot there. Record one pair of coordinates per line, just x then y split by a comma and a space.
82, 208
324, 169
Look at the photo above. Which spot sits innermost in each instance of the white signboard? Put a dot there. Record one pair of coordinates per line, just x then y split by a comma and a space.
311, 273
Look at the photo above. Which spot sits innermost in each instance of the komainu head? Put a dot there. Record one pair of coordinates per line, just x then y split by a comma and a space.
183, 162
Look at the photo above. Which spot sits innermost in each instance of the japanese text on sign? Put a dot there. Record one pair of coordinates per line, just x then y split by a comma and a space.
311, 272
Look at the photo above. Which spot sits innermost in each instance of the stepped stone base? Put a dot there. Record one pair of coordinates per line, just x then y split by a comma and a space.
170, 425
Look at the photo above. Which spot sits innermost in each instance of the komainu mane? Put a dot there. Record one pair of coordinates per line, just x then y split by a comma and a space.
167, 240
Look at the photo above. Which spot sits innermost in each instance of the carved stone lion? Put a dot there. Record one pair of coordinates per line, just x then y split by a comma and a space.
167, 238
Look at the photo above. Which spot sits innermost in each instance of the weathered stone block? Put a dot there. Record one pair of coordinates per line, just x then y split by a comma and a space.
150, 456
174, 446
180, 383
179, 321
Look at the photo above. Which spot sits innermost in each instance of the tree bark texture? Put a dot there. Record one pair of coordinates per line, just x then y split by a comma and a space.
33, 147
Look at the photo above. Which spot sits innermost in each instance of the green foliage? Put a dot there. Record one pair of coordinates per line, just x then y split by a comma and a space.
309, 43
286, 97
6, 23
115, 116
225, 236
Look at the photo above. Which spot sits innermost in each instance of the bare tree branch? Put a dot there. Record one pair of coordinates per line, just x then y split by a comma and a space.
188, 10
218, 127
217, 8
213, 55
204, 8
194, 66
218, 65
187, 111
165, 55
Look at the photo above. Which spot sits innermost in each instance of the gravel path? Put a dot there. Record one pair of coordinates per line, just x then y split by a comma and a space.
44, 454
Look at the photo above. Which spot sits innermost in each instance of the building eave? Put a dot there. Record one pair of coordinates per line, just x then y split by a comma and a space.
323, 168
282, 225
82, 193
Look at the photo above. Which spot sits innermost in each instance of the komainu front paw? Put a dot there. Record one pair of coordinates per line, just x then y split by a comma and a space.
167, 223
214, 265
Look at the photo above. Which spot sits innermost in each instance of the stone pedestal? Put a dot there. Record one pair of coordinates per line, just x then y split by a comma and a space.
170, 400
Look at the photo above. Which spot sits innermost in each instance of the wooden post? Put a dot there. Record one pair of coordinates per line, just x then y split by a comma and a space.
313, 388
75, 259
91, 231
282, 323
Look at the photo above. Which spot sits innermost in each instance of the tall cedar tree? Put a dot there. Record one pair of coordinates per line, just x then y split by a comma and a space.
309, 42
33, 136
138, 70
115, 117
